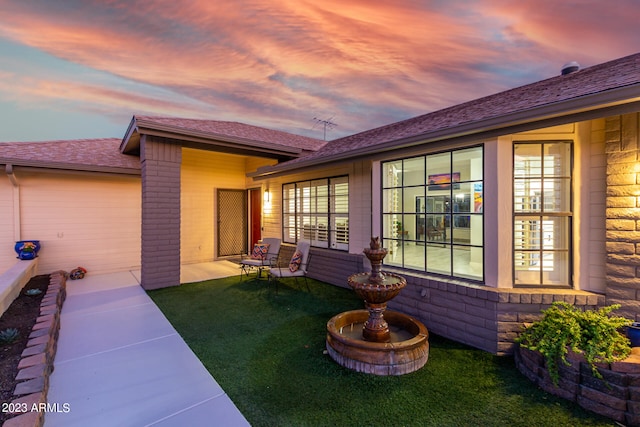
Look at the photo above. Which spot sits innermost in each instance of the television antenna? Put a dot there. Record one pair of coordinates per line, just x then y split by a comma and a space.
327, 123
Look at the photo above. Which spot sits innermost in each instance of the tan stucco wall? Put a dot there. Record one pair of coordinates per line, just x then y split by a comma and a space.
81, 219
7, 224
202, 174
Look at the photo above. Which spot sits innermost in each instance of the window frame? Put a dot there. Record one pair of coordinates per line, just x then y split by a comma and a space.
543, 215
336, 231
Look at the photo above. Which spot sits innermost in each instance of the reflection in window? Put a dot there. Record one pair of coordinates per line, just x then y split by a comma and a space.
542, 213
318, 212
432, 213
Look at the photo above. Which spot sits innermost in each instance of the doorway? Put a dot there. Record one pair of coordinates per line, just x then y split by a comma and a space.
232, 222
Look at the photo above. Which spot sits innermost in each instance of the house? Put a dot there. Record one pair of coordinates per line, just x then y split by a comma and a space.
491, 209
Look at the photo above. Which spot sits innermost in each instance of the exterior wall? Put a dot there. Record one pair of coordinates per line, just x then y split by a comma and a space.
82, 219
328, 265
593, 250
7, 224
589, 164
489, 317
480, 316
252, 164
202, 173
360, 212
623, 213
160, 162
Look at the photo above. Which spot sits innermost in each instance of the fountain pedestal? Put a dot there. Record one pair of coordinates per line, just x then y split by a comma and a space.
389, 343
376, 329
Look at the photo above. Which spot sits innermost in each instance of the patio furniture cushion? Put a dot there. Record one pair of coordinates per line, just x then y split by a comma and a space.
295, 262
260, 251
266, 252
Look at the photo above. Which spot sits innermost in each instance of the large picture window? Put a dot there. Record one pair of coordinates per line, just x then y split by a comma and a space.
432, 213
542, 213
318, 212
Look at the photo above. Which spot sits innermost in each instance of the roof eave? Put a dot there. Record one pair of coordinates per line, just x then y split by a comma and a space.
70, 166
623, 99
139, 127
130, 143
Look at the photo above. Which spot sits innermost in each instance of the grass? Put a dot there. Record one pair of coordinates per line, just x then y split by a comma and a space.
266, 351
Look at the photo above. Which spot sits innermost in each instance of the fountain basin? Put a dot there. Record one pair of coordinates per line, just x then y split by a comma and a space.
407, 351
387, 288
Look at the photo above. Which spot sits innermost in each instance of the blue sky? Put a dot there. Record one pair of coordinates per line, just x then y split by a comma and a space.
83, 68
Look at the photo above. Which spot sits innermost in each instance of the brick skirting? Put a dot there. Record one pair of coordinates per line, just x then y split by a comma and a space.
480, 316
616, 395
36, 363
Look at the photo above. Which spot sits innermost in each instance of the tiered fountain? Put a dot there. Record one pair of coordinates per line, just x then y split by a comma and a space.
374, 340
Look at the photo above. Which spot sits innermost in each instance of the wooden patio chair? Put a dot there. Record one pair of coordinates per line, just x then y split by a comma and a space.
260, 258
298, 266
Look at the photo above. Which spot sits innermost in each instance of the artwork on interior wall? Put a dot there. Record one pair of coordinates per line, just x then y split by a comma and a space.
442, 181
477, 197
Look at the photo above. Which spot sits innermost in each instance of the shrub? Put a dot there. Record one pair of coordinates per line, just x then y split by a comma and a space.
592, 333
9, 335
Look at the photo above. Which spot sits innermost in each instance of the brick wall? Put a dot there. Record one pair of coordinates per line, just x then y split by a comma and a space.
623, 214
482, 317
160, 162
327, 265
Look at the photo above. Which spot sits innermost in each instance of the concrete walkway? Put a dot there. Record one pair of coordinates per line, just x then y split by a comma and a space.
121, 363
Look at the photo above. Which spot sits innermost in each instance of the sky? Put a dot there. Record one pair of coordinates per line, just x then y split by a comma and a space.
72, 69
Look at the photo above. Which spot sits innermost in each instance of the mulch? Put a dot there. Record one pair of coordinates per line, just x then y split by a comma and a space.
22, 315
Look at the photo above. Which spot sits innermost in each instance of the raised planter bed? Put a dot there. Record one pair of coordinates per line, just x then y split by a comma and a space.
13, 280
36, 362
616, 395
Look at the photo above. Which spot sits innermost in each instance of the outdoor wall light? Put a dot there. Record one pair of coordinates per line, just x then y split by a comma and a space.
266, 206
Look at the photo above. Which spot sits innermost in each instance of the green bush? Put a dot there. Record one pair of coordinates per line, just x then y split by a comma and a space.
592, 333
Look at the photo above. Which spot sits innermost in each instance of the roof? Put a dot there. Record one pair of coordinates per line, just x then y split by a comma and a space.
100, 155
595, 88
220, 135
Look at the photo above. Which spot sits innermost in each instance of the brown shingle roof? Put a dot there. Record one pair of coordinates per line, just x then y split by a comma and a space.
525, 103
236, 130
82, 154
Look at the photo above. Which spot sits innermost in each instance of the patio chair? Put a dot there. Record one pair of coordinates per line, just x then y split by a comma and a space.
261, 257
297, 267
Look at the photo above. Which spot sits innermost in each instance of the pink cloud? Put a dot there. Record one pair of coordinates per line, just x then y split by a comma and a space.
591, 31
287, 61
29, 91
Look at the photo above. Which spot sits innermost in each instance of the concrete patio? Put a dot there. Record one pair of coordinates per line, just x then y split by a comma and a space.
120, 362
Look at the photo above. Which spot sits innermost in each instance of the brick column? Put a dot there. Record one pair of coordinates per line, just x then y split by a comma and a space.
160, 162
623, 214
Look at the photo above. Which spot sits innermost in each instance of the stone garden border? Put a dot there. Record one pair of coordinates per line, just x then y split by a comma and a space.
36, 363
616, 395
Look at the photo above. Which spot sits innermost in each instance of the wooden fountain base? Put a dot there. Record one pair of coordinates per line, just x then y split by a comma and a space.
399, 356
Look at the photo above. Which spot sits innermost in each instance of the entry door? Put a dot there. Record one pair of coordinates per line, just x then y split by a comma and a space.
232, 222
255, 208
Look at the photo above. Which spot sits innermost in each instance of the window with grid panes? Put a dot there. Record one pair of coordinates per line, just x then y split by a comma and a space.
432, 213
317, 211
542, 213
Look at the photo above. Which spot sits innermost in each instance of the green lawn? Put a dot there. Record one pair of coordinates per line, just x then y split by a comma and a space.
266, 351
